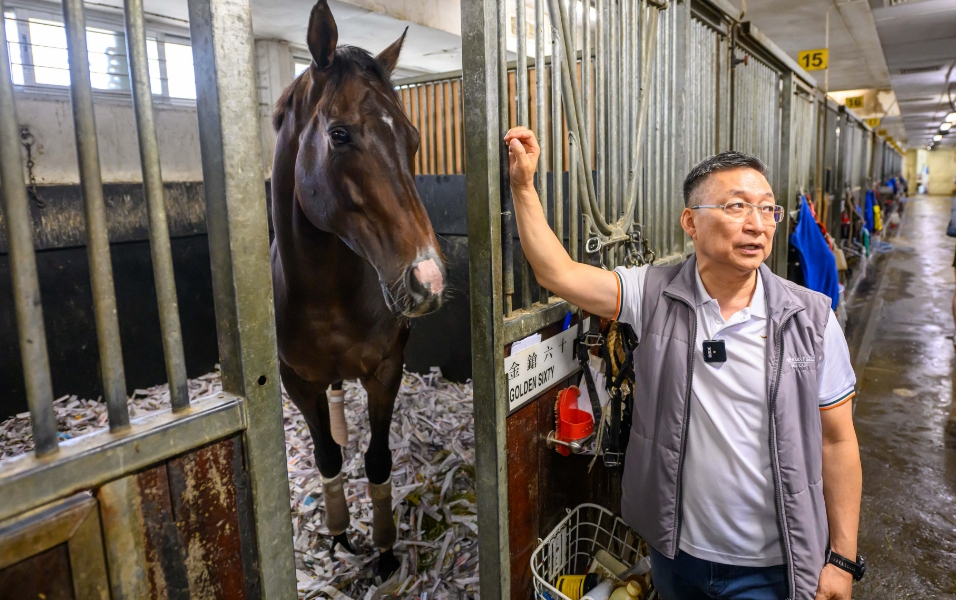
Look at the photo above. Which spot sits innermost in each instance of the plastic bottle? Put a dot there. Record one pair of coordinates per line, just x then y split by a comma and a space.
633, 590
601, 592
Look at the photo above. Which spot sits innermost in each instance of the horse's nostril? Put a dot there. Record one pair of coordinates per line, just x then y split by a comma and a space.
427, 274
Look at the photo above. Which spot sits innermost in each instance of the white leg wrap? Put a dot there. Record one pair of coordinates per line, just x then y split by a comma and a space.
383, 522
337, 516
340, 429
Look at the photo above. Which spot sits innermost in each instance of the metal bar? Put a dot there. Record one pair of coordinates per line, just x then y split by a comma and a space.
541, 130
97, 246
521, 70
527, 321
89, 462
479, 61
23, 268
573, 216
600, 117
507, 202
587, 95
557, 139
227, 110
614, 112
153, 188
454, 94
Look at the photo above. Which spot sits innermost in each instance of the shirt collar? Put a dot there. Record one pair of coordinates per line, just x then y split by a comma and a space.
758, 304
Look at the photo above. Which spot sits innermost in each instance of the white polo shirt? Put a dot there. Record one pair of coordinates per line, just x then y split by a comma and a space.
728, 509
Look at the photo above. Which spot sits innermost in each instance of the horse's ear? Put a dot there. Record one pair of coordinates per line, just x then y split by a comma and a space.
388, 57
323, 35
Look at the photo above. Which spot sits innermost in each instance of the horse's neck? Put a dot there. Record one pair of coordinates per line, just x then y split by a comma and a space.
314, 259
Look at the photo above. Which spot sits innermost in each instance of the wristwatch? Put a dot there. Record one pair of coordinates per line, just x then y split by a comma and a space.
857, 569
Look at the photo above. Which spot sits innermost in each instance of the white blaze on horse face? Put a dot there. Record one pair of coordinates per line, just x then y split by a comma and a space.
388, 120
429, 275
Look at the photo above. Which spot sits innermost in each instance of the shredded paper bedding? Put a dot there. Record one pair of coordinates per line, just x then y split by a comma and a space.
433, 486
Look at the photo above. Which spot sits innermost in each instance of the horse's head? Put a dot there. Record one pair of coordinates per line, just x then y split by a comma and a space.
354, 172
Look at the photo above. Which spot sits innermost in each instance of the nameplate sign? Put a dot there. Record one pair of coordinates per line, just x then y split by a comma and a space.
534, 369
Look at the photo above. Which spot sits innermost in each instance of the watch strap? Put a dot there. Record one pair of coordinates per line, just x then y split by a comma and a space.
856, 569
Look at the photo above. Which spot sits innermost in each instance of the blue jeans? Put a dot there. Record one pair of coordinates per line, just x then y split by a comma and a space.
689, 578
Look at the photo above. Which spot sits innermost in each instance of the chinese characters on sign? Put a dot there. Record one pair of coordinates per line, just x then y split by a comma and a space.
533, 370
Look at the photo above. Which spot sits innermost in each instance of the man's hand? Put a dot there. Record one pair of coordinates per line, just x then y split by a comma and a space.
835, 584
523, 152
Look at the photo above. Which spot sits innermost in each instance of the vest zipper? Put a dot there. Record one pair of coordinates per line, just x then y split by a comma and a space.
774, 467
683, 441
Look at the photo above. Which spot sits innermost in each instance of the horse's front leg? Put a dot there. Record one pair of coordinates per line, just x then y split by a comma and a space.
382, 388
311, 400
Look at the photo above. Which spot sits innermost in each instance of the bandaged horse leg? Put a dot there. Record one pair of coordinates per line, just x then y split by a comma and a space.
340, 429
337, 516
382, 389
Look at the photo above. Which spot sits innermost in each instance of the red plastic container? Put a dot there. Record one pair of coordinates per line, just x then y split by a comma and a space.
572, 423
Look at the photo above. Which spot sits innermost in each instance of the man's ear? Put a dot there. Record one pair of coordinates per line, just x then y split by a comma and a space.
688, 222
323, 35
388, 57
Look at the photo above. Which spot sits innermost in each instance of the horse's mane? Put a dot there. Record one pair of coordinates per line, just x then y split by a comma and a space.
348, 60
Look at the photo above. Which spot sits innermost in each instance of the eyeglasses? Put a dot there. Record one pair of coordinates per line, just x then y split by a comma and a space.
739, 211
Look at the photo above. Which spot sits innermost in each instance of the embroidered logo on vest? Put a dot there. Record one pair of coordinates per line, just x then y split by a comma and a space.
798, 363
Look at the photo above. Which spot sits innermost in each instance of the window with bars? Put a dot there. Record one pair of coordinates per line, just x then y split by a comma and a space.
39, 61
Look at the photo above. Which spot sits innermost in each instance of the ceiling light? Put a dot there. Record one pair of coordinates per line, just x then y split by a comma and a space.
937, 137
951, 117
945, 126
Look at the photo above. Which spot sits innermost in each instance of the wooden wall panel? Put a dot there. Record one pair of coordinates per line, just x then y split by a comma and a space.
44, 575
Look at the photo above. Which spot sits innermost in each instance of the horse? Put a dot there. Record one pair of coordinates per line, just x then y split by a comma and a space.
354, 257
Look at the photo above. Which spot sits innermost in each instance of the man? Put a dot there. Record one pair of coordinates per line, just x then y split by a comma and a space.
742, 467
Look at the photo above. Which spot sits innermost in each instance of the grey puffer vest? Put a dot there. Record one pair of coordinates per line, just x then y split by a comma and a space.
664, 369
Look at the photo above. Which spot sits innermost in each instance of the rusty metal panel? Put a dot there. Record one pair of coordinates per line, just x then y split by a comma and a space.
44, 575
206, 505
74, 523
144, 551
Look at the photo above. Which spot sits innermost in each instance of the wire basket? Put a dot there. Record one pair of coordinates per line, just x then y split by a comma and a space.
570, 547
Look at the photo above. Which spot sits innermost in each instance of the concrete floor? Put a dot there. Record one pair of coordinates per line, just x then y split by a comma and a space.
904, 410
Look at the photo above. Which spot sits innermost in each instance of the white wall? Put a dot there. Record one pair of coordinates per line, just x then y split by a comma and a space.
942, 170
50, 119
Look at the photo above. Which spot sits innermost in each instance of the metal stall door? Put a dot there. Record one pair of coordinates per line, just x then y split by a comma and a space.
596, 177
798, 142
187, 502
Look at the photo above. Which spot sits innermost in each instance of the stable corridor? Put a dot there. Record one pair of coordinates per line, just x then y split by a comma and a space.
901, 338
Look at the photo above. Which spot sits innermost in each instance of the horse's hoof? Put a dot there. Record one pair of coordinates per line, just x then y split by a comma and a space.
341, 540
387, 565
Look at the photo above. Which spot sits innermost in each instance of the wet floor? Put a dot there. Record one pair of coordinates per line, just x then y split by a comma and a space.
908, 520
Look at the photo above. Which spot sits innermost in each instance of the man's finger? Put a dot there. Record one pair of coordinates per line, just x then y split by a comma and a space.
517, 147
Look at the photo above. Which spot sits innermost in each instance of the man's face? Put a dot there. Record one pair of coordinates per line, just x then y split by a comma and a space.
720, 239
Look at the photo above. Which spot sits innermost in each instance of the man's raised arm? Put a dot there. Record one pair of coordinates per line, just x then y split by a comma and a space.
590, 288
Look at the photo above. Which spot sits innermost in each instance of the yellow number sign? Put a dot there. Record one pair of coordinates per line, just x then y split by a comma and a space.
873, 122
854, 102
881, 132
813, 60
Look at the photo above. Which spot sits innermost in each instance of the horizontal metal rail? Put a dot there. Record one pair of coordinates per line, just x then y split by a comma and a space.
28, 481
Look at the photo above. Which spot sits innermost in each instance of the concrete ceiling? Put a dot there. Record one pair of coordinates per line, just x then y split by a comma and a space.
433, 44
856, 58
919, 42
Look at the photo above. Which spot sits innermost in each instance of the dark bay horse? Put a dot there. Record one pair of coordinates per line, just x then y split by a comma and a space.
354, 256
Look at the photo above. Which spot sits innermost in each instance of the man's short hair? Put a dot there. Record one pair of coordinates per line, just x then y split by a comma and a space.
720, 162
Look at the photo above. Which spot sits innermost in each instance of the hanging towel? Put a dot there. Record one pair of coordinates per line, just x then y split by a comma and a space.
868, 211
816, 260
877, 218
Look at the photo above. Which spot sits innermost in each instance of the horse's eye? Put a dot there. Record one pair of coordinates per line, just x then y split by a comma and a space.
339, 137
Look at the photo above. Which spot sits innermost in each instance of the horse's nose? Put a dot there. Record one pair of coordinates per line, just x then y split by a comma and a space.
425, 280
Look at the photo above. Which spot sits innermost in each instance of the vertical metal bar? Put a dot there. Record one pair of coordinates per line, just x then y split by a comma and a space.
521, 71
572, 54
227, 110
23, 268
786, 176
614, 109
454, 93
587, 95
557, 139
153, 188
97, 244
541, 130
507, 202
600, 117
479, 65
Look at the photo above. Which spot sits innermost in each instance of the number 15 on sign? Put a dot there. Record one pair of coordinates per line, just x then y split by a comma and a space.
814, 60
